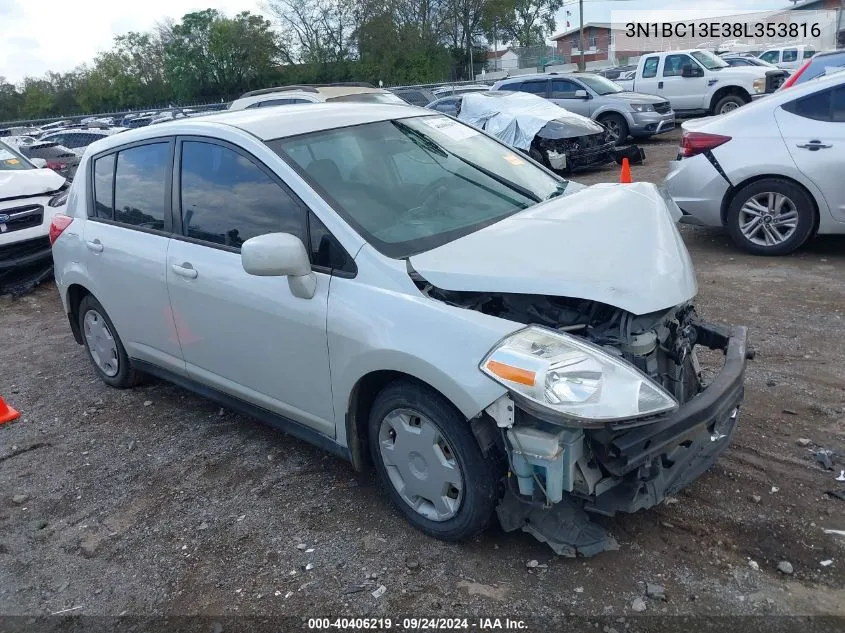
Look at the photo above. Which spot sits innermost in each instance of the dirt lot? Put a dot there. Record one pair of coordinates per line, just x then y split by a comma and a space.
155, 501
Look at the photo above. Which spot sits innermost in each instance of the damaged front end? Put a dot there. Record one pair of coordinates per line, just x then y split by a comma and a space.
566, 149
606, 411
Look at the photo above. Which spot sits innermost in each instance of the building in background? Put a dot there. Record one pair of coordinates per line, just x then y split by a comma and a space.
506, 59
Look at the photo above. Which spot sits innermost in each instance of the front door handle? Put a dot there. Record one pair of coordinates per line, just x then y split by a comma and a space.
660, 85
185, 270
95, 246
814, 145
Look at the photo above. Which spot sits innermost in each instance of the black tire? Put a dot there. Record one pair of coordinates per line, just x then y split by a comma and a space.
616, 125
728, 103
480, 475
126, 376
797, 197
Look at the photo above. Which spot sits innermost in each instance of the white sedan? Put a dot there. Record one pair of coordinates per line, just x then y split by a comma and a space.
771, 172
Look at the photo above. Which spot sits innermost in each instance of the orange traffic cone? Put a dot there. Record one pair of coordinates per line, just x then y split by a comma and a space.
7, 413
625, 176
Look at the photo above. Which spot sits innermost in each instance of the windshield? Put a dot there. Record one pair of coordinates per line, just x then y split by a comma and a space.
601, 85
414, 184
709, 60
370, 97
11, 160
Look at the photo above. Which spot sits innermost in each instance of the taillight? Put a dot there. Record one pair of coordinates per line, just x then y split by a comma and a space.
56, 166
58, 225
793, 78
693, 143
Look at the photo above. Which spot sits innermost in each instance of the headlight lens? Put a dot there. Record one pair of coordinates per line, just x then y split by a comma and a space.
572, 378
642, 107
759, 85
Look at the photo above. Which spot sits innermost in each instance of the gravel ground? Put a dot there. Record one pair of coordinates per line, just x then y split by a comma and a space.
156, 501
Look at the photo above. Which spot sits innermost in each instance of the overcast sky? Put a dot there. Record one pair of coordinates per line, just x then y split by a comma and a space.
42, 35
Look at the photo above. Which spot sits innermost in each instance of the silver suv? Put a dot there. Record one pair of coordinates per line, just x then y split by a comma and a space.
398, 287
622, 112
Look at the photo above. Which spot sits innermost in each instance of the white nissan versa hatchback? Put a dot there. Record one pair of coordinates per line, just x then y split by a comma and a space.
396, 286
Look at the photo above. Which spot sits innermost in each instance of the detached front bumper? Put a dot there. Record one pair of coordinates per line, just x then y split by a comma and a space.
656, 460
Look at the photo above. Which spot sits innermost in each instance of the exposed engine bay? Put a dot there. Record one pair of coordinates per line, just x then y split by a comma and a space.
559, 471
660, 344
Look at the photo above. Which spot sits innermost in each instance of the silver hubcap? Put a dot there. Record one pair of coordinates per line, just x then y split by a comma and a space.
101, 343
730, 105
612, 127
768, 219
421, 464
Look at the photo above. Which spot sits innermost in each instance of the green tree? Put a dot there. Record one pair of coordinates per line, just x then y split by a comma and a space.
522, 22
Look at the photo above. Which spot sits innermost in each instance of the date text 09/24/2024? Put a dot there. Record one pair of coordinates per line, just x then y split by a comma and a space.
416, 624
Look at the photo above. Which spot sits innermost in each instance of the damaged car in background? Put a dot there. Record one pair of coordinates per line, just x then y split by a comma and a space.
29, 197
437, 304
555, 137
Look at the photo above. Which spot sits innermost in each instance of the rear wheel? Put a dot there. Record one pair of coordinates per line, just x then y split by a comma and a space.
617, 126
429, 461
104, 346
770, 217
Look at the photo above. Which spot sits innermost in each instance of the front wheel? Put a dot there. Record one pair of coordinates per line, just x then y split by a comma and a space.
617, 126
770, 217
430, 462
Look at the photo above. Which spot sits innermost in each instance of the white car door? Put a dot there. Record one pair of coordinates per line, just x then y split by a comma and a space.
647, 80
684, 93
240, 334
813, 128
127, 236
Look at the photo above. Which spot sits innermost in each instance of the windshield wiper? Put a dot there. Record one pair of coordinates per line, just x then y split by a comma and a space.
557, 192
426, 143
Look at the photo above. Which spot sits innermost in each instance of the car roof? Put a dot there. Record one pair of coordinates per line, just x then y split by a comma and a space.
271, 123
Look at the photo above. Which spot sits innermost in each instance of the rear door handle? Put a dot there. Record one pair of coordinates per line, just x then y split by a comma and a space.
95, 246
814, 145
185, 270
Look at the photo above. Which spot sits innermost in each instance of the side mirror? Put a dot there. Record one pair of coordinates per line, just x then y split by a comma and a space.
38, 162
280, 255
581, 94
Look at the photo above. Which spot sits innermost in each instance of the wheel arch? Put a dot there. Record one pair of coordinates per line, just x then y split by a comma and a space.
732, 191
727, 90
362, 397
75, 294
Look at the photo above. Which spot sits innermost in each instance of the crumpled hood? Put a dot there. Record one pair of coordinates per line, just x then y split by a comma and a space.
616, 244
29, 182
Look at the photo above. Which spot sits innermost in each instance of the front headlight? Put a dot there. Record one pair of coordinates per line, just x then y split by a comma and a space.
573, 379
642, 107
759, 85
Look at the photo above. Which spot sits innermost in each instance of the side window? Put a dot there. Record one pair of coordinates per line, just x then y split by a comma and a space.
103, 187
277, 102
826, 105
227, 199
650, 67
140, 185
808, 53
326, 251
771, 56
534, 87
673, 64
790, 54
564, 89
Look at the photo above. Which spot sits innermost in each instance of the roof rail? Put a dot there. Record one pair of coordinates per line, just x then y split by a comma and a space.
306, 88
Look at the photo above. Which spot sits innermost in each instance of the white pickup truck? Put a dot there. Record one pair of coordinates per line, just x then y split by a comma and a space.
697, 81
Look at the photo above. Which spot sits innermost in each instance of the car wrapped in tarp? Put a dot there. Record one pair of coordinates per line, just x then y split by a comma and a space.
551, 135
